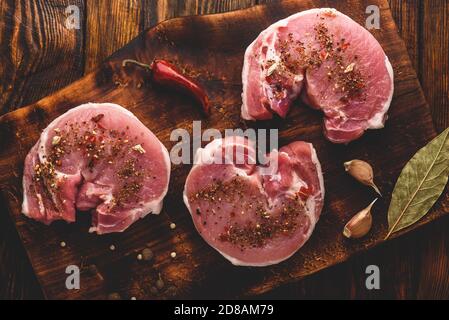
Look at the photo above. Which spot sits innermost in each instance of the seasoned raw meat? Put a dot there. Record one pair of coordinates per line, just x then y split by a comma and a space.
328, 60
255, 215
98, 158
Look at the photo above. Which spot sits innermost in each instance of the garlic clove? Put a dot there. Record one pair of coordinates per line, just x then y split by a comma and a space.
362, 172
360, 224
376, 189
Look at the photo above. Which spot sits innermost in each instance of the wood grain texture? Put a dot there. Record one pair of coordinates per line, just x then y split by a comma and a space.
423, 26
157, 11
407, 15
417, 262
216, 56
38, 56
435, 66
103, 35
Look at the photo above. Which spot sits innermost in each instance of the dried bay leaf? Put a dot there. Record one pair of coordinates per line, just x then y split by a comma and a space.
420, 184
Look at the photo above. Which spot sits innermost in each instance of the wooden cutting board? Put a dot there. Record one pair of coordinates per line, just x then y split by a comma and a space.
211, 49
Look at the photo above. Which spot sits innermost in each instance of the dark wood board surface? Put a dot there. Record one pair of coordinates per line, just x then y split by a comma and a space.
406, 78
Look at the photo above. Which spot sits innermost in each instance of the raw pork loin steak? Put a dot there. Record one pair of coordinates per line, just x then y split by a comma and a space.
98, 158
250, 218
328, 60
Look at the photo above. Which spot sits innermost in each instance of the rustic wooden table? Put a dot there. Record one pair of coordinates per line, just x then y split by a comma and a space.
39, 55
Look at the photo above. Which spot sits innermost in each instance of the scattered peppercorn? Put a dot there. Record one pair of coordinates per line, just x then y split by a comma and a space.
160, 283
114, 296
147, 254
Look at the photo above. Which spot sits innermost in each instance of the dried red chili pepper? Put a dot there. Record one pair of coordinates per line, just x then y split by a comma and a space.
166, 74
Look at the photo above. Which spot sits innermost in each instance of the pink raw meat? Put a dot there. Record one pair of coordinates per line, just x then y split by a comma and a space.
327, 59
98, 158
255, 219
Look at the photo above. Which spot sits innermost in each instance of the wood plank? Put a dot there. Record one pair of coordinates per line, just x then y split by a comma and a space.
39, 55
435, 66
157, 11
434, 70
407, 16
205, 6
403, 255
103, 34
433, 281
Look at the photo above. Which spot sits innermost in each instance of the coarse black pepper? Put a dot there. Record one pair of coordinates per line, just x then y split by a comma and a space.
97, 145
295, 57
267, 223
